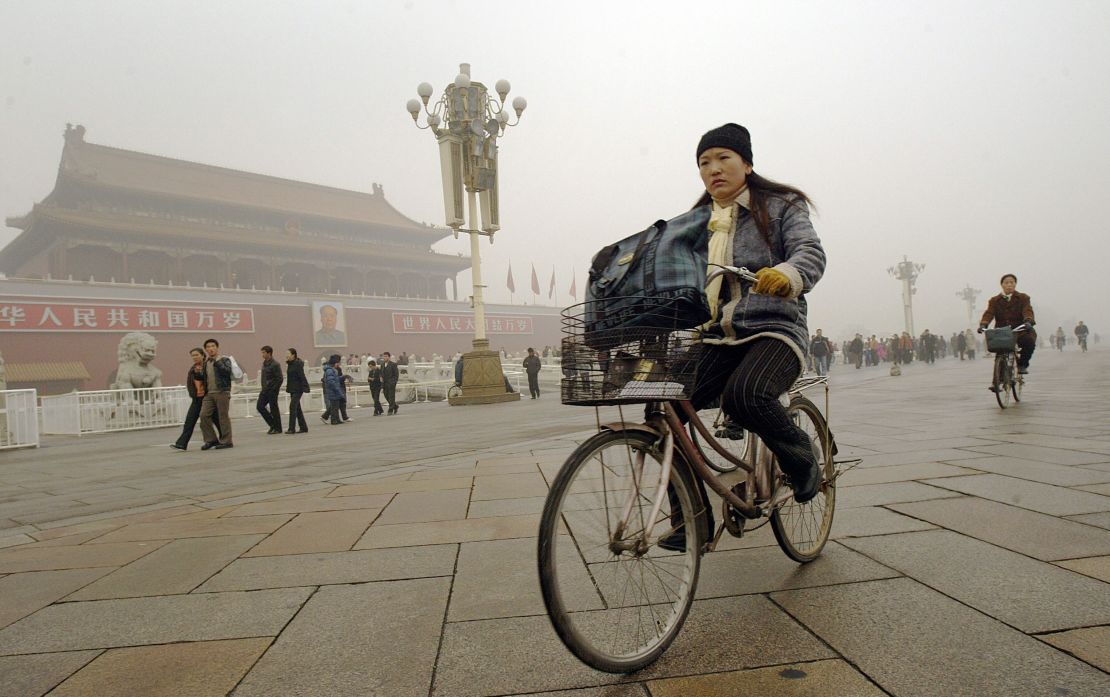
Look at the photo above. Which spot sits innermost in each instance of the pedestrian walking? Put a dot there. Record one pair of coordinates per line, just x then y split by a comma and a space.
270, 387
532, 367
296, 384
194, 384
390, 375
217, 398
333, 390
374, 378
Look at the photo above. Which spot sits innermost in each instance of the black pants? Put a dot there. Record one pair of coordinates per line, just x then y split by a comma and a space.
296, 414
1028, 345
376, 393
749, 379
191, 419
390, 390
335, 407
267, 405
534, 384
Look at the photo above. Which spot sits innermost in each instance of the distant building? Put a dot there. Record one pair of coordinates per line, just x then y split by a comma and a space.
119, 215
133, 242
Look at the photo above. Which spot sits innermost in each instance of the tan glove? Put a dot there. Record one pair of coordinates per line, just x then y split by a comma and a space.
768, 281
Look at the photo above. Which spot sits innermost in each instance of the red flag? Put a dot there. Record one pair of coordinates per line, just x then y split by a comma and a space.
535, 281
509, 280
574, 286
551, 288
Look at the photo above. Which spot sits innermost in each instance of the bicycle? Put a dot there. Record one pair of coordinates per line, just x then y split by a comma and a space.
627, 519
1006, 381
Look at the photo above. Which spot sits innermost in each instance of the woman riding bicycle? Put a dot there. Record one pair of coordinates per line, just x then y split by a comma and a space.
756, 339
1011, 309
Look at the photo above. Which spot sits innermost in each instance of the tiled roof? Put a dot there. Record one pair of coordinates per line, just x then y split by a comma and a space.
153, 174
46, 372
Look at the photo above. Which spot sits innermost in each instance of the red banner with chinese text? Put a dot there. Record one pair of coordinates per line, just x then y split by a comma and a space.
435, 323
19, 316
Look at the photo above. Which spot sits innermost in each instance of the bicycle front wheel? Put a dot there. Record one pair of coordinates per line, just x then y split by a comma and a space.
618, 584
802, 529
1016, 381
1002, 380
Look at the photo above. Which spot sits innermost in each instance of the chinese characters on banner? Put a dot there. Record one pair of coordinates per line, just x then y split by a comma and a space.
91, 317
434, 323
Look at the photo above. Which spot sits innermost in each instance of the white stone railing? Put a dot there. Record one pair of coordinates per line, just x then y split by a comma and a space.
103, 411
19, 421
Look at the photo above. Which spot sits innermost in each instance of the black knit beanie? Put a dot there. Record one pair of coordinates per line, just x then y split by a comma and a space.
732, 136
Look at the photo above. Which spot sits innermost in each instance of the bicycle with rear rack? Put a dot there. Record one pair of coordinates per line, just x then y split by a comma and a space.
627, 518
1006, 380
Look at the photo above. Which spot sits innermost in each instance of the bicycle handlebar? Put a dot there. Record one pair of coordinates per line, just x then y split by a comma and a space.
740, 271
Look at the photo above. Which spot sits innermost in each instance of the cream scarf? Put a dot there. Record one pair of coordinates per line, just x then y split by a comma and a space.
722, 229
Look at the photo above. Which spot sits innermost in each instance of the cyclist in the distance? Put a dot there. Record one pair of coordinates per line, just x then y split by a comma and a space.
1010, 309
1081, 333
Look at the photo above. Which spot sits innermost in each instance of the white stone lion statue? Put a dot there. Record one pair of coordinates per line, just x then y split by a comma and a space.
136, 351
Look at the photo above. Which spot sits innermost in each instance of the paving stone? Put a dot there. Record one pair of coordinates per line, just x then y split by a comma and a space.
1030, 595
264, 495
1090, 644
509, 486
872, 520
139, 621
1095, 567
329, 531
498, 578
307, 505
632, 689
1057, 456
913, 641
766, 569
523, 654
506, 507
1035, 534
198, 669
247, 490
332, 568
1045, 498
426, 507
1103, 489
15, 540
174, 529
882, 494
818, 679
451, 531
899, 473
918, 456
36, 674
399, 487
1101, 520
73, 557
368, 639
27, 592
177, 567
1061, 475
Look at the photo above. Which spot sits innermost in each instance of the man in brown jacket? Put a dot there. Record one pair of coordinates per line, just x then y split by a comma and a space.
1009, 309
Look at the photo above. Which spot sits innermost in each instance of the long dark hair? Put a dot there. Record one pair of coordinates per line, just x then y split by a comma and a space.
760, 190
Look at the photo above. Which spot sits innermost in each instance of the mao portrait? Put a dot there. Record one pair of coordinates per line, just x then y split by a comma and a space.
329, 324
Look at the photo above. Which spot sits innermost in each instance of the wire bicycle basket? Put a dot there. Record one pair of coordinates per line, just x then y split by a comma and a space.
637, 355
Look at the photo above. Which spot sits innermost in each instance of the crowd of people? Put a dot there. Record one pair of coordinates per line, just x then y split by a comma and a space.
900, 349
209, 378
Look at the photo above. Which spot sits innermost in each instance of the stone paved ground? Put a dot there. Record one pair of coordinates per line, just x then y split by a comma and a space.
395, 556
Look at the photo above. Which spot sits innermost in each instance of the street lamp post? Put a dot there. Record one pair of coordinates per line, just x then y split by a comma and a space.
906, 271
968, 295
466, 123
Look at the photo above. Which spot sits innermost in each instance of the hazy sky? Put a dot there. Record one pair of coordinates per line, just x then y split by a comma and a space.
970, 136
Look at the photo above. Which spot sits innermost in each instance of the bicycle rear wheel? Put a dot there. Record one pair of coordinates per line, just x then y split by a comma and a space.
802, 529
1001, 381
616, 598
730, 436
